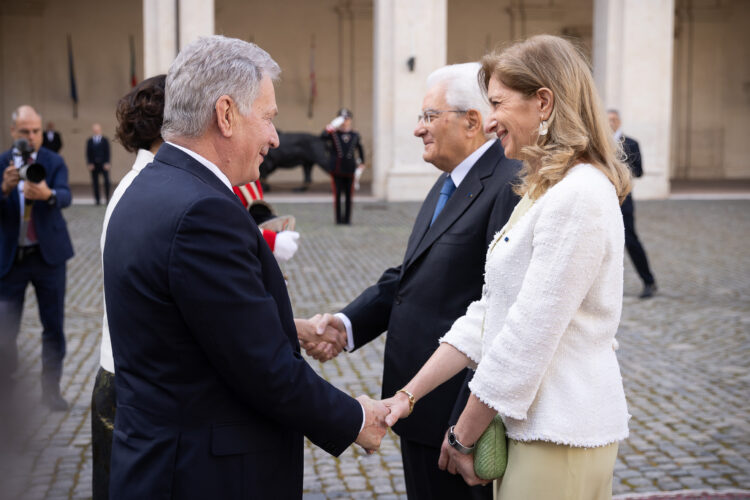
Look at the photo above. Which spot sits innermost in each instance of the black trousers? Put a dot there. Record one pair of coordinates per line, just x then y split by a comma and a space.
103, 406
425, 481
99, 170
342, 186
635, 249
49, 285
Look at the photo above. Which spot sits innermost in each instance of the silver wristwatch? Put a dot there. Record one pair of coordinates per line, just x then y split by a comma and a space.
453, 441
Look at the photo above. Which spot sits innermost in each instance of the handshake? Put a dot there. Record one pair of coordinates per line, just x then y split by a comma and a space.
323, 337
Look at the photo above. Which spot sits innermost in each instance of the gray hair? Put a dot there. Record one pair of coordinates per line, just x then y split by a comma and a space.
204, 71
461, 86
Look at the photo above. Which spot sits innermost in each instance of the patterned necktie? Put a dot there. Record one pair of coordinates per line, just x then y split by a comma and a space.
445, 193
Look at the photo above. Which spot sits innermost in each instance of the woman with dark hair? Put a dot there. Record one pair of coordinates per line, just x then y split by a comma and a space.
542, 335
139, 119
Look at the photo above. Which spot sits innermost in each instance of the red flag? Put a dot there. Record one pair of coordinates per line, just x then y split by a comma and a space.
313, 82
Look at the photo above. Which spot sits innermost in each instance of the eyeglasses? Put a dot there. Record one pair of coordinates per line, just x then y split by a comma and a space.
431, 114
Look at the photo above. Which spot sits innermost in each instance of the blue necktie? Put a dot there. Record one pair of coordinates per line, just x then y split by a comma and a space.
445, 193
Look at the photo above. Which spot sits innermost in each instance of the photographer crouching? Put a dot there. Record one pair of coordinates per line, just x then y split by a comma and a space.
34, 245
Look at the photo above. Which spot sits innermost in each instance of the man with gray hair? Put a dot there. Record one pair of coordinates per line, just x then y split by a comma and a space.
207, 406
441, 274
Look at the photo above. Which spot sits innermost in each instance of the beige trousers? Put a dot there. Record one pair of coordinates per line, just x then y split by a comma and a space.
544, 470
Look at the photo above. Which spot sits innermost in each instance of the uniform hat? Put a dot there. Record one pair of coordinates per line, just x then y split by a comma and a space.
344, 113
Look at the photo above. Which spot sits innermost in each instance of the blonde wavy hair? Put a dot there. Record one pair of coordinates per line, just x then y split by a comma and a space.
578, 128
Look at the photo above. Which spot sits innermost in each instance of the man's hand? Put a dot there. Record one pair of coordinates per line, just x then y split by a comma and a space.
36, 191
10, 179
107, 166
90, 166
327, 324
399, 406
456, 462
321, 346
374, 429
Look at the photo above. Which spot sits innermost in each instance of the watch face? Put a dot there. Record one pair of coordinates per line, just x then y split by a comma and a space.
451, 439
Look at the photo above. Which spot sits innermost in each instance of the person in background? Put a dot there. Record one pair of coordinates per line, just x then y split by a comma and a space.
542, 335
52, 139
34, 246
632, 243
139, 119
284, 243
98, 161
346, 155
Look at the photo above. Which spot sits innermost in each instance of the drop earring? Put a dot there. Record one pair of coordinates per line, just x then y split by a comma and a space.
543, 127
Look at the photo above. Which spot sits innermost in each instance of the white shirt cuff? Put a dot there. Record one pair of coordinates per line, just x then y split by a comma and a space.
364, 416
349, 335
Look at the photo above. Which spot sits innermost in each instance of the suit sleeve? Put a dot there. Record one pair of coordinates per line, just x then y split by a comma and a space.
634, 157
105, 142
371, 311
218, 282
89, 152
59, 182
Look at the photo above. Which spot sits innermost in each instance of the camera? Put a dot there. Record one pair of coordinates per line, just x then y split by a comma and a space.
32, 172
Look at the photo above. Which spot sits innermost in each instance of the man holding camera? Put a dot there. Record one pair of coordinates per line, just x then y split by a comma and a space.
34, 246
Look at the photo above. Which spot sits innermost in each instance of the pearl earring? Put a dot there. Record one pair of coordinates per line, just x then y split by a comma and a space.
543, 127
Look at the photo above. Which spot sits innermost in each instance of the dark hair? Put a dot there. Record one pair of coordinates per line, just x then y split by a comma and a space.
140, 114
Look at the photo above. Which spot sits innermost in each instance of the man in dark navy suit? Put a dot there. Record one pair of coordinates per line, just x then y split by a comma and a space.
632, 244
34, 245
98, 161
51, 139
441, 274
213, 395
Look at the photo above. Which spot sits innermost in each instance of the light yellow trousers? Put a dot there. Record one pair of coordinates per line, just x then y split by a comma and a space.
543, 470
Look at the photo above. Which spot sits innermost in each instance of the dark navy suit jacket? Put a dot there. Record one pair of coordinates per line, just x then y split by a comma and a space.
442, 273
213, 396
51, 230
633, 159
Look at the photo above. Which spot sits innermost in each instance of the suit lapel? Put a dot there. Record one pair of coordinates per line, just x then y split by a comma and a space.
421, 225
465, 194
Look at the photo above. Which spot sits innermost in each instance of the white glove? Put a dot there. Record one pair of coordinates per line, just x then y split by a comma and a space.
357, 175
336, 122
285, 245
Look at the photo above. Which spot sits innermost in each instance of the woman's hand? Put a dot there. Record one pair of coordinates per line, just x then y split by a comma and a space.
456, 462
399, 405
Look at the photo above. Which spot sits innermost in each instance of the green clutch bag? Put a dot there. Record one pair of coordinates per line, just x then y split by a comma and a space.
491, 452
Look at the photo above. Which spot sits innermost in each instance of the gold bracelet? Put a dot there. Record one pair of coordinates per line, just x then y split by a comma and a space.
412, 400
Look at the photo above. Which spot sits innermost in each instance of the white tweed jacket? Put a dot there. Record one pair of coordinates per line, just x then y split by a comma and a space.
543, 332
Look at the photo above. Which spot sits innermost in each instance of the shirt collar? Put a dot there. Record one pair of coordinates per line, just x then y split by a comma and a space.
463, 168
209, 165
618, 135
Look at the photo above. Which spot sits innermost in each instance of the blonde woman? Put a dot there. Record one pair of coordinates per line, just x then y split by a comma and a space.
542, 336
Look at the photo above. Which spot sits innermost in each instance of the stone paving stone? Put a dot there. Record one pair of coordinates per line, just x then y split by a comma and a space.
684, 355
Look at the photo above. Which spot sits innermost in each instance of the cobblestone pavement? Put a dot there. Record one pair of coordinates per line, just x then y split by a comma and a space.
684, 354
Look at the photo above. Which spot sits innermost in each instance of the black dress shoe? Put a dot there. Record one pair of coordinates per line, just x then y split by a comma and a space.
648, 291
54, 401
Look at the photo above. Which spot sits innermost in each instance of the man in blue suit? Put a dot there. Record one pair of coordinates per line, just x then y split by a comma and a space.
34, 245
213, 395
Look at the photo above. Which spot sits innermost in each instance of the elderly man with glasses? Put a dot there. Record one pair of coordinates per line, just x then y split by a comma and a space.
442, 272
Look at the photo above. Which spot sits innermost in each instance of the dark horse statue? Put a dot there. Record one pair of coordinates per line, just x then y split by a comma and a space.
295, 149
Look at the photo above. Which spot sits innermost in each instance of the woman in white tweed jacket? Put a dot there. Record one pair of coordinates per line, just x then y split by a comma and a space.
542, 336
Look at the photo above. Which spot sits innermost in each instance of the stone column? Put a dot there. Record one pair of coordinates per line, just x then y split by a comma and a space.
196, 20
633, 61
159, 36
160, 30
404, 30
